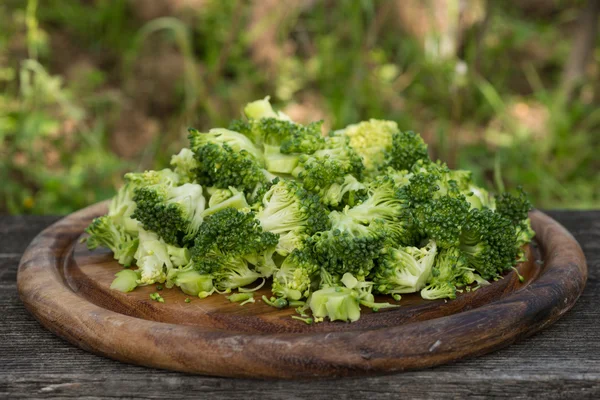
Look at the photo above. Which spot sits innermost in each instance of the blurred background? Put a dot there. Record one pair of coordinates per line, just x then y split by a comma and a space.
92, 88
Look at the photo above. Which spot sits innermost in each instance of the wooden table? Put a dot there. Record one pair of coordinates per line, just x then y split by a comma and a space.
562, 361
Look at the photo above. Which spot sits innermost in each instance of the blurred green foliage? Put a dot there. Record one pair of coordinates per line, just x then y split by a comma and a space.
90, 89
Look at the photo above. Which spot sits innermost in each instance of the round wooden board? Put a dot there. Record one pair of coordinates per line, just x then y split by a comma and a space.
66, 287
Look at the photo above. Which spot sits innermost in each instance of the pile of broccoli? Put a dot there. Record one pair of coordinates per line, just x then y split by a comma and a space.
329, 220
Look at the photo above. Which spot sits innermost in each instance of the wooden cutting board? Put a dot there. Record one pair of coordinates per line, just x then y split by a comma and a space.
66, 287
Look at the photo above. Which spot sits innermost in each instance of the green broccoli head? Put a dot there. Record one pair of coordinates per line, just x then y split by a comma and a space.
442, 219
514, 207
407, 148
489, 240
333, 172
450, 271
152, 258
348, 246
292, 280
105, 232
184, 165
371, 139
292, 137
404, 269
288, 207
173, 212
222, 167
121, 208
230, 233
220, 136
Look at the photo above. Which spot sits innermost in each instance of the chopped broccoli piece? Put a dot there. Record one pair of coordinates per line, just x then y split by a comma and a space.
125, 281
407, 148
293, 279
152, 259
348, 246
184, 165
105, 232
227, 241
288, 209
489, 241
174, 212
371, 139
404, 269
450, 271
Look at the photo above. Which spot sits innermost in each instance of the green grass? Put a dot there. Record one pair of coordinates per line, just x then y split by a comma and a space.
72, 73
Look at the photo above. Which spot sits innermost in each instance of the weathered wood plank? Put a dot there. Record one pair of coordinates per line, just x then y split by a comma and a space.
560, 362
17, 232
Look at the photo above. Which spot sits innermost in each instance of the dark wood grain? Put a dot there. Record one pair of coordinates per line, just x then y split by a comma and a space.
269, 345
562, 361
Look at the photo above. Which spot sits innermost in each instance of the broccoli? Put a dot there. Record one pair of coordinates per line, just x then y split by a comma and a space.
174, 212
332, 219
184, 165
489, 241
225, 159
404, 269
103, 231
342, 302
450, 271
372, 140
284, 141
293, 279
348, 246
125, 281
407, 148
382, 144
332, 172
289, 210
152, 259
262, 109
220, 136
225, 198
516, 208
230, 239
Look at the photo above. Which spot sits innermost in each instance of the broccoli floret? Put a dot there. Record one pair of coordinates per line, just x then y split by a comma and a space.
221, 166
104, 231
289, 209
292, 280
450, 271
173, 212
220, 136
277, 162
149, 178
184, 165
121, 208
407, 148
372, 140
341, 302
437, 205
333, 172
152, 259
350, 192
442, 219
262, 109
404, 269
231, 237
125, 281
348, 246
489, 240
194, 283
291, 137
382, 144
221, 199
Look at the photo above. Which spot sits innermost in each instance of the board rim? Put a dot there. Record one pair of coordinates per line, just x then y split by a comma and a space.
296, 355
